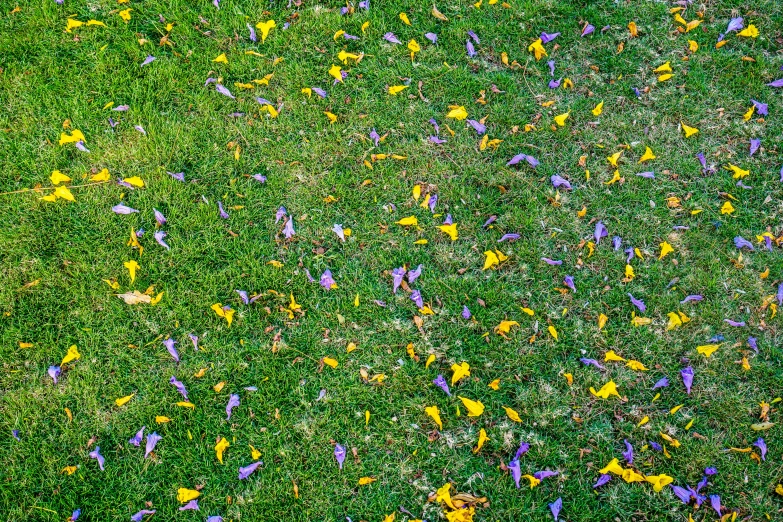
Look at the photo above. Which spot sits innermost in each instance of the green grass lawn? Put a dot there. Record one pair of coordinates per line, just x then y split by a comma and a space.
307, 377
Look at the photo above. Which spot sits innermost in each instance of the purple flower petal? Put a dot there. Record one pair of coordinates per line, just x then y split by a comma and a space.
687, 378
435, 125
159, 217
221, 211
338, 229
140, 515
591, 362
479, 127
548, 37
136, 439
75, 515
148, 60
440, 381
397, 275
509, 237
603, 479
436, 140
555, 508
259, 177
683, 494
588, 29
617, 242
600, 231
523, 448
638, 303
554, 84
169, 344
121, 108
390, 37
736, 324
248, 470
740, 242
375, 137
54, 373
662, 383
648, 175
288, 229
96, 454
140, 129
516, 471
413, 275
190, 506
80, 145
692, 298
755, 143
327, 282
233, 402
339, 455
225, 92
466, 312
776, 83
474, 37
569, 282
753, 343
735, 24
432, 37
216, 518
762, 446
551, 262
551, 64
252, 31
152, 441
433, 201
761, 108
416, 298
179, 176
179, 386
715, 503
243, 296
628, 453
159, 235
558, 181
470, 49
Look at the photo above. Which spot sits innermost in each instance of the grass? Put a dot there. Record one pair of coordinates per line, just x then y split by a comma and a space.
49, 76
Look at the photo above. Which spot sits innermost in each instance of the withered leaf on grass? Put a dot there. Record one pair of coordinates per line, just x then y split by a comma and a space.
135, 297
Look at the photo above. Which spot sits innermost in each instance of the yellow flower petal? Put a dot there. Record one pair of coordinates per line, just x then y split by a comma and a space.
408, 221
461, 371
457, 113
689, 131
606, 391
185, 495
512, 414
481, 440
265, 27
433, 412
72, 355
475, 408
220, 447
123, 400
